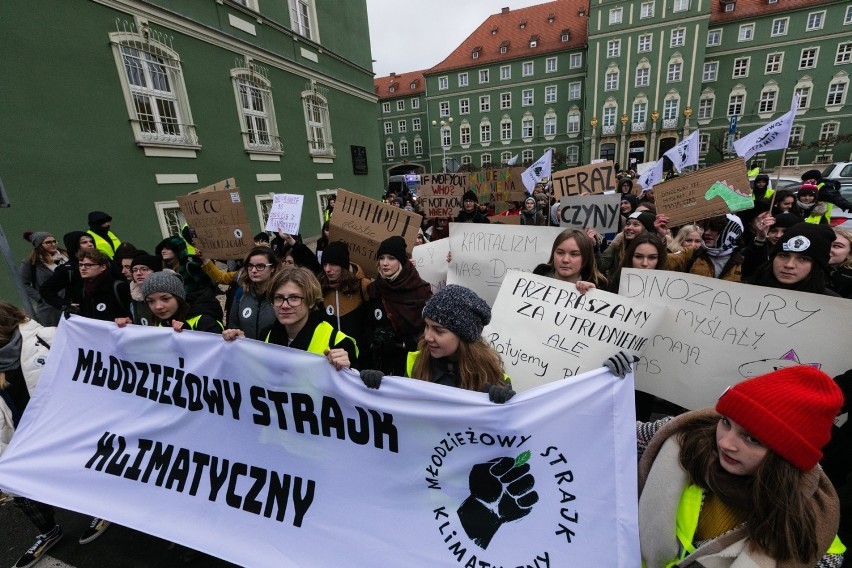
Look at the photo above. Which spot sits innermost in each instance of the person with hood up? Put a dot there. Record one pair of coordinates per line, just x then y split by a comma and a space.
62, 290
24, 348
346, 298
762, 189
740, 484
37, 268
201, 291
99, 229
397, 297
530, 215
625, 186
470, 210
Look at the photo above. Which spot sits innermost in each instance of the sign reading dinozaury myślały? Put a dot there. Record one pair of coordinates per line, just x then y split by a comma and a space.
483, 253
717, 333
705, 193
545, 330
146, 424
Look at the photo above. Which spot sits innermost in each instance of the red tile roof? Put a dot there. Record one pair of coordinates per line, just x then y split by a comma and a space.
402, 85
751, 8
546, 21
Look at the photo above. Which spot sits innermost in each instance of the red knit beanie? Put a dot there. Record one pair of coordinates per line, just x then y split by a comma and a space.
790, 411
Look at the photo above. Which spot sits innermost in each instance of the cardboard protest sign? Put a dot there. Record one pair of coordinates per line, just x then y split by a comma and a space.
545, 330
593, 178
708, 192
505, 219
286, 213
498, 186
363, 223
431, 262
483, 254
600, 212
441, 194
217, 216
717, 333
147, 424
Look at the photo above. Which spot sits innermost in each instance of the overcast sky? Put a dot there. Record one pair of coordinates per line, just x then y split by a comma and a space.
411, 35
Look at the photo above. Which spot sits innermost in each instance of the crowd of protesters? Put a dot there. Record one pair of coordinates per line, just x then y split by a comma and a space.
319, 301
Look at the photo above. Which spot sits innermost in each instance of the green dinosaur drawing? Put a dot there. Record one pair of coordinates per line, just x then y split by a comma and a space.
735, 200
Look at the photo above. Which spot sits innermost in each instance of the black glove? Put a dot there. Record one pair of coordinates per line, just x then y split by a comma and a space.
497, 393
372, 378
619, 364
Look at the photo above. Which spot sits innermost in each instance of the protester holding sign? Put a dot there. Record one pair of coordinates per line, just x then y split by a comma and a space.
24, 347
397, 295
767, 231
740, 485
719, 257
798, 260
296, 296
572, 259
687, 237
346, 298
452, 351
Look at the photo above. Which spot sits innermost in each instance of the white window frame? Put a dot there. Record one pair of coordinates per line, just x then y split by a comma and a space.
711, 71
646, 10
575, 90
505, 101
443, 83
746, 32
774, 63
388, 127
740, 70
828, 130
176, 130
484, 76
464, 106
816, 21
738, 104
485, 132
169, 217
847, 19
550, 65
671, 105
463, 79
402, 126
403, 147
838, 84
575, 61
573, 124
645, 43
610, 110
550, 94
549, 125
386, 107
464, 135
815, 61
418, 146
706, 106
768, 101
526, 156
505, 129
677, 37
527, 127
484, 160
616, 15
572, 155
505, 72
390, 150
527, 69
640, 112
415, 124
714, 37
804, 89
415, 103
797, 134
444, 109
674, 72
611, 80
485, 103
643, 75
303, 19
680, 6
255, 108
613, 48
844, 53
527, 97
317, 124
780, 27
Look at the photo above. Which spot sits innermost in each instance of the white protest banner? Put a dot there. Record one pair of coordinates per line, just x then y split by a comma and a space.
482, 254
286, 213
545, 330
600, 212
538, 170
441, 194
717, 333
772, 136
651, 176
266, 456
685, 152
431, 262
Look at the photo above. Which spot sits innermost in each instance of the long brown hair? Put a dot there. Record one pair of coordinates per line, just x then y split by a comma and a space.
10, 317
589, 270
478, 364
779, 519
244, 280
39, 255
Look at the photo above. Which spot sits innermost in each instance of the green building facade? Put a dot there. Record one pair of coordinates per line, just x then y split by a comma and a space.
123, 105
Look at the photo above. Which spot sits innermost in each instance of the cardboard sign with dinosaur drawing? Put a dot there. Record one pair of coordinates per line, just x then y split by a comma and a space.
706, 193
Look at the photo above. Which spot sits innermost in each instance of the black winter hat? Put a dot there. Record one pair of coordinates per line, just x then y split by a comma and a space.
469, 194
336, 253
761, 177
812, 174
460, 310
647, 219
808, 239
155, 263
98, 218
262, 238
786, 220
394, 246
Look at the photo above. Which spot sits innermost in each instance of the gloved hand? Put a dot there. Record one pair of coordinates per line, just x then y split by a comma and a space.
372, 378
620, 363
497, 393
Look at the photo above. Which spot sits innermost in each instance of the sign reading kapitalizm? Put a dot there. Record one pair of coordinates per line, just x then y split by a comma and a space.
267, 456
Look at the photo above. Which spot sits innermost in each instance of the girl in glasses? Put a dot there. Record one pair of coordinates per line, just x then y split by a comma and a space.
37, 268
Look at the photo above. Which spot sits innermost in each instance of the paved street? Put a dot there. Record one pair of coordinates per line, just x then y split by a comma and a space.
119, 547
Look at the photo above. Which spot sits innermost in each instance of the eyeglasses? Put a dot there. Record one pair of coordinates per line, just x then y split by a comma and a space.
258, 267
293, 301
140, 270
87, 265
49, 242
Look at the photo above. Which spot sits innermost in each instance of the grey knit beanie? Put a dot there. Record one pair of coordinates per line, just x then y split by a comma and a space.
460, 310
36, 238
164, 281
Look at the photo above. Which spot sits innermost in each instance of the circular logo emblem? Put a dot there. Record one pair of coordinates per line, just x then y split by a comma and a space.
378, 314
238, 233
40, 361
797, 244
144, 321
247, 313
330, 310
101, 307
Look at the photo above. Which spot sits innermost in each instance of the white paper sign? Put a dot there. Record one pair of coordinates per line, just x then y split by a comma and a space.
545, 330
717, 333
266, 456
431, 262
286, 213
482, 254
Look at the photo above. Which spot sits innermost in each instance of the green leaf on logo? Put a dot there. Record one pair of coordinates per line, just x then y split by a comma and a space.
522, 459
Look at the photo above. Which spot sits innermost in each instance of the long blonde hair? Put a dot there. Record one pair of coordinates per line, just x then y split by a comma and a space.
846, 234
478, 364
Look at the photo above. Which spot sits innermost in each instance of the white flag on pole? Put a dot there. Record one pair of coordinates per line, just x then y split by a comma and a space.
772, 136
685, 153
652, 176
540, 169
512, 161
